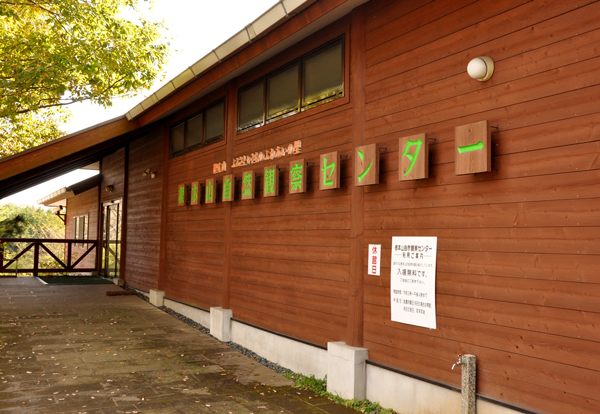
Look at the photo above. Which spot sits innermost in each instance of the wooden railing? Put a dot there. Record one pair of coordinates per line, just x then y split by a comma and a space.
38, 246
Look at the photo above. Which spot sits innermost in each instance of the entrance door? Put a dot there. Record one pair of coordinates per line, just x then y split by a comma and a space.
112, 214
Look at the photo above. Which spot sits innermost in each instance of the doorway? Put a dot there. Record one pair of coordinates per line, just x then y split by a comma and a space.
112, 215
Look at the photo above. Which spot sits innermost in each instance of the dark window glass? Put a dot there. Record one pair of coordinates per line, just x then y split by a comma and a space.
251, 106
323, 74
282, 92
195, 131
215, 120
177, 139
314, 79
199, 130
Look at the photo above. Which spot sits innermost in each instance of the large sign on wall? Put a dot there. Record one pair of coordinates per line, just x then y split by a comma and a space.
473, 155
412, 280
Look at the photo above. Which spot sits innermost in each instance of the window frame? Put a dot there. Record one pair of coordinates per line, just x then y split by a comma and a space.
217, 138
204, 142
182, 151
80, 227
330, 97
251, 85
339, 40
284, 113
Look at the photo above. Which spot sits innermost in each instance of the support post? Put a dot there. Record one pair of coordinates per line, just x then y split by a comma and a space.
157, 297
124, 209
347, 370
468, 385
162, 258
354, 335
220, 323
230, 134
36, 259
69, 256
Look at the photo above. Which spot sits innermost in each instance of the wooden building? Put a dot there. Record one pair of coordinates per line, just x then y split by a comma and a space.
225, 200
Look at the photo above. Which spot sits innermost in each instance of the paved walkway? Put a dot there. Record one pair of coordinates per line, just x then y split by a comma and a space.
72, 349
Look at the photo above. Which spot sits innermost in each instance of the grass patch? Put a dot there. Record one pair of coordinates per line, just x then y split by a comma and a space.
319, 386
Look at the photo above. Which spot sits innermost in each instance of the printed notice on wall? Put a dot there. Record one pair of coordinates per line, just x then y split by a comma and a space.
413, 280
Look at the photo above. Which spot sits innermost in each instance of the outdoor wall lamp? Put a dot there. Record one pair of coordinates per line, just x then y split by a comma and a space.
481, 68
110, 188
149, 173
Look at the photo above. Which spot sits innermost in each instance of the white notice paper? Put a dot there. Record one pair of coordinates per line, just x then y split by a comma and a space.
413, 280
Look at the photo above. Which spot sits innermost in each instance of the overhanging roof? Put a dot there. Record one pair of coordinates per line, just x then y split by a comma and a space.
71, 191
176, 95
250, 47
270, 19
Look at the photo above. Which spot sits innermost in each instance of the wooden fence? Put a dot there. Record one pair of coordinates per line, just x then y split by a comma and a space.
39, 246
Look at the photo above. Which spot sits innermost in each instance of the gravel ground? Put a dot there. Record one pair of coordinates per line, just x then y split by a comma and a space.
250, 354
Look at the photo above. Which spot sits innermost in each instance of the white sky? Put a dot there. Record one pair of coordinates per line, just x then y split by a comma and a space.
195, 27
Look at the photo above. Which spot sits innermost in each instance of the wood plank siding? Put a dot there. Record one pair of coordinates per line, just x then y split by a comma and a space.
113, 173
84, 204
194, 234
290, 254
143, 211
518, 247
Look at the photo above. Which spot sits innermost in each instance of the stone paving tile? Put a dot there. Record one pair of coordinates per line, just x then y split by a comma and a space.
72, 349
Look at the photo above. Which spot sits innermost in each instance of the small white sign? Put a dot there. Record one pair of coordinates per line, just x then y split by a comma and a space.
412, 280
374, 259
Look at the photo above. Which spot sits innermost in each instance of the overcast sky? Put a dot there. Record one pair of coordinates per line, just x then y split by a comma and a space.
195, 27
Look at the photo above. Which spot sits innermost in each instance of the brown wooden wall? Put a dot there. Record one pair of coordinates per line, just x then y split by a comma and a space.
518, 248
113, 173
143, 212
290, 254
193, 235
82, 204
281, 263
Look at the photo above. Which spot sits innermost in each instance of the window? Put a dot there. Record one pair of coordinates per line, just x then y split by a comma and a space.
283, 92
323, 75
315, 78
199, 130
80, 228
215, 121
251, 105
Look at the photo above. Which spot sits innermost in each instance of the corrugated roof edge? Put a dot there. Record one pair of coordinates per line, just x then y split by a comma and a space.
269, 19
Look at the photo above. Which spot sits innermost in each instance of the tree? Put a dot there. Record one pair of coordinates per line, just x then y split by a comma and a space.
34, 223
31, 129
12, 227
57, 52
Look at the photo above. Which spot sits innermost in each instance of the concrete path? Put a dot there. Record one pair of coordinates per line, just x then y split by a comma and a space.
72, 349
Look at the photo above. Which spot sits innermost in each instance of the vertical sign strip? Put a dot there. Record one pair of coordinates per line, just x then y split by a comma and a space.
297, 176
228, 188
210, 191
248, 185
271, 181
181, 195
374, 260
195, 199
